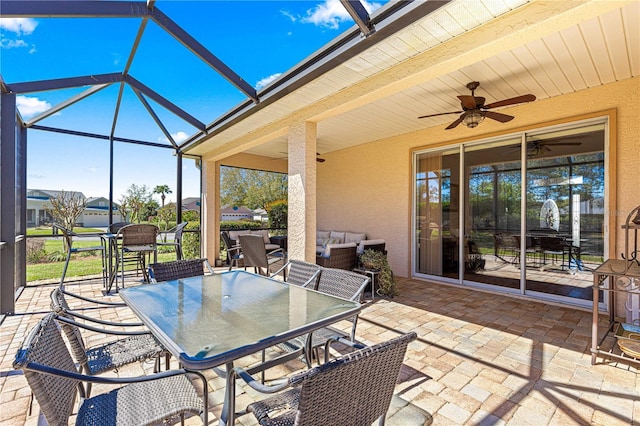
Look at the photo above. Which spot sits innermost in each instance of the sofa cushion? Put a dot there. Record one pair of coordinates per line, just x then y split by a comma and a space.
321, 235
337, 235
234, 234
327, 249
329, 241
353, 237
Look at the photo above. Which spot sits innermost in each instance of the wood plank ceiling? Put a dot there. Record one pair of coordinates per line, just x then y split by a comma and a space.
592, 52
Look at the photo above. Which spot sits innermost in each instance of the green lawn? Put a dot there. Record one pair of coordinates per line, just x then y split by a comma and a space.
81, 264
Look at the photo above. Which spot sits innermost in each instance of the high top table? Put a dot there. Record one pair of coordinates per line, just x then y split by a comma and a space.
210, 321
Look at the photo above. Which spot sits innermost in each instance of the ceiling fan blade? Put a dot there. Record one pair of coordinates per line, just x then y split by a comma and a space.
320, 160
455, 123
511, 101
503, 118
442, 113
467, 101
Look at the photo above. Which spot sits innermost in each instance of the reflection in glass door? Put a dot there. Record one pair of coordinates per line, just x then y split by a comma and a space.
437, 213
545, 244
565, 210
492, 220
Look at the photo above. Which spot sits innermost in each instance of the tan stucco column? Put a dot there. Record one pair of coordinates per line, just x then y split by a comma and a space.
302, 192
210, 211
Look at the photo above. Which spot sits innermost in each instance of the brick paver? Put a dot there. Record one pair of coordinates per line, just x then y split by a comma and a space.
480, 359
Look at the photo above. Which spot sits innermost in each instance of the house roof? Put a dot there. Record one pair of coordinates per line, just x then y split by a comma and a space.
236, 210
50, 193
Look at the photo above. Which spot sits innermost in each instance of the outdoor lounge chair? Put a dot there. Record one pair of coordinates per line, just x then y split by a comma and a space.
339, 256
168, 271
354, 389
54, 380
254, 254
130, 347
177, 238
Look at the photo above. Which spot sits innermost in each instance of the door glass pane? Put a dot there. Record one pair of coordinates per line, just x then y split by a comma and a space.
437, 213
565, 211
492, 222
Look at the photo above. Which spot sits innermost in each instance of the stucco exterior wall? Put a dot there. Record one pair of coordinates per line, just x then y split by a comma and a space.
368, 187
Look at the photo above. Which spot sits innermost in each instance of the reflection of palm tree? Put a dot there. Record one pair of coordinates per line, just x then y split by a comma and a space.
162, 190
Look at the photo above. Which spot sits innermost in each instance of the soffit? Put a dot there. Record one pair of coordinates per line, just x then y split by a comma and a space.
545, 48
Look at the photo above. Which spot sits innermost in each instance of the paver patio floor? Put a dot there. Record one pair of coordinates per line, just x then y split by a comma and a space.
480, 359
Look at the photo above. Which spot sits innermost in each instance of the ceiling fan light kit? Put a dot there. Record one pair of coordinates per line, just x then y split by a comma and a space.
473, 118
474, 110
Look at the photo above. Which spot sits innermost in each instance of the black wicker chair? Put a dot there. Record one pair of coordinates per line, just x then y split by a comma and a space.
54, 381
129, 347
354, 389
168, 271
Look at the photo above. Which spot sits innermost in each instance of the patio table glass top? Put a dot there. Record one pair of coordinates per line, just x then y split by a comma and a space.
207, 321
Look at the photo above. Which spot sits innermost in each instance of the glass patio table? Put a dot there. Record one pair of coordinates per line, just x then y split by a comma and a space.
210, 321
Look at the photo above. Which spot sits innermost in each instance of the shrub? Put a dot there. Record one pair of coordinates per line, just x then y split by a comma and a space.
35, 251
191, 241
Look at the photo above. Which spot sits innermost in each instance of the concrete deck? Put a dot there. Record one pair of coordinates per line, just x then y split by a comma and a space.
480, 359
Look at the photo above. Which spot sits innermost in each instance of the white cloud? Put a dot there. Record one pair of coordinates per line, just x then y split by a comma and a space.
331, 13
177, 137
30, 106
20, 26
267, 80
10, 44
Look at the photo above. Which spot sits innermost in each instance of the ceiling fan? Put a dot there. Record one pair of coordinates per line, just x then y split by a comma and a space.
474, 110
540, 147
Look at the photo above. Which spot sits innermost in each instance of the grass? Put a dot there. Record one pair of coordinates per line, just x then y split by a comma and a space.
79, 266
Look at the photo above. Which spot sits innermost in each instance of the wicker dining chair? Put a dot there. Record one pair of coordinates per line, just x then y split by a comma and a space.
254, 254
69, 237
177, 239
234, 252
54, 380
354, 389
177, 269
129, 347
135, 242
298, 272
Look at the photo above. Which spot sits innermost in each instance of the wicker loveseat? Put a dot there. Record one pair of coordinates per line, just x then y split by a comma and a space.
324, 238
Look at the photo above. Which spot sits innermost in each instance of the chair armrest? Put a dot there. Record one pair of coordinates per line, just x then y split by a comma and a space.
101, 330
97, 302
340, 339
273, 252
256, 385
104, 322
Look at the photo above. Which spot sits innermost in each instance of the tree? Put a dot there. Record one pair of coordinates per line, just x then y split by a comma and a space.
162, 190
251, 188
66, 208
136, 198
165, 215
123, 208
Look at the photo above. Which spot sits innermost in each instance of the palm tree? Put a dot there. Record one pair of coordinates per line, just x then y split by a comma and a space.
162, 190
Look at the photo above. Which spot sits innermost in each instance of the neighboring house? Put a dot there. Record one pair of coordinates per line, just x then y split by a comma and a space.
260, 215
231, 213
191, 204
96, 213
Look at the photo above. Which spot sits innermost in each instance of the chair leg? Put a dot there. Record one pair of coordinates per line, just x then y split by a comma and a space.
64, 269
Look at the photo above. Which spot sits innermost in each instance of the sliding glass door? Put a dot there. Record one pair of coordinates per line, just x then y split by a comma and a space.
533, 228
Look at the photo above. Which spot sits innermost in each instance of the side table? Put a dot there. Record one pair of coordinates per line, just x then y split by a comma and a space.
372, 273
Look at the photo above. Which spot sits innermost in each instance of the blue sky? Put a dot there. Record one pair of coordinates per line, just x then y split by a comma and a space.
258, 40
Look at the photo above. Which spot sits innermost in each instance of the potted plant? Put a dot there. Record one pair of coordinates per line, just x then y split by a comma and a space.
377, 260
